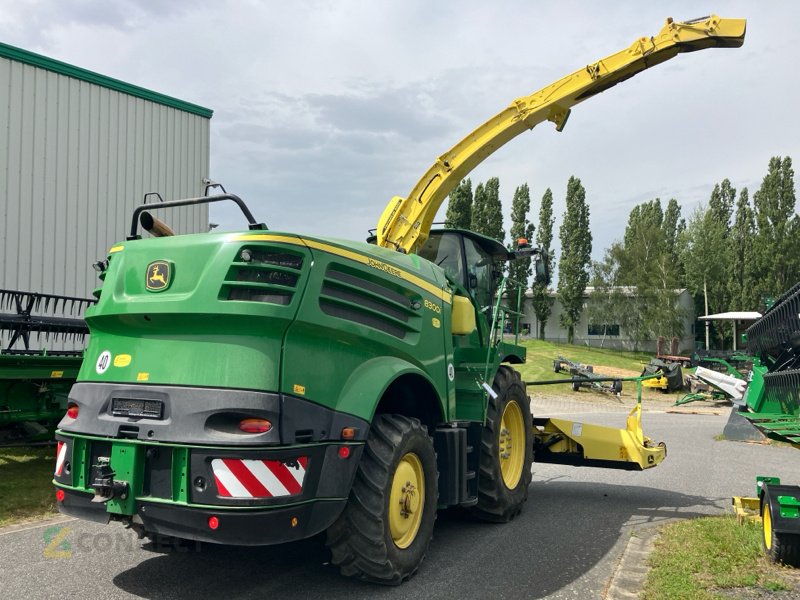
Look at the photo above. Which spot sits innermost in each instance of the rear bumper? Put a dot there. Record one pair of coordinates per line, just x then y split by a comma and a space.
235, 527
200, 415
186, 460
173, 490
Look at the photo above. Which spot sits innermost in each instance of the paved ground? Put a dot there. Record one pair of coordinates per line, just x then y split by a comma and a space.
566, 544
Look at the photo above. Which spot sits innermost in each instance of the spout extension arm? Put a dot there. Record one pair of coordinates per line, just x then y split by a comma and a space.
406, 222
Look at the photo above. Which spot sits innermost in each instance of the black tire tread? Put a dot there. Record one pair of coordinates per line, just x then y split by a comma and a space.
493, 500
357, 539
786, 548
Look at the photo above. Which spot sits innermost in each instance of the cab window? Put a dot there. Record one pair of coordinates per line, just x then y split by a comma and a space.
479, 272
444, 249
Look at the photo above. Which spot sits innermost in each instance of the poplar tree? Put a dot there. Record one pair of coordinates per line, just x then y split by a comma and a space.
459, 206
741, 268
542, 302
487, 212
576, 250
520, 270
776, 251
706, 260
478, 217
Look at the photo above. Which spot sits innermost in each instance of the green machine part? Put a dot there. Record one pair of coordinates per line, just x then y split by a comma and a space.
773, 394
773, 406
33, 395
35, 382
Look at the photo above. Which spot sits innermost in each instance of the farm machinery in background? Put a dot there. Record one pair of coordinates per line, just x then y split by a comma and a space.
34, 380
583, 377
772, 405
259, 387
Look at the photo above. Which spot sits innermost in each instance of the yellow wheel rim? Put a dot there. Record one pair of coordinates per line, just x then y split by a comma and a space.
406, 500
511, 444
766, 521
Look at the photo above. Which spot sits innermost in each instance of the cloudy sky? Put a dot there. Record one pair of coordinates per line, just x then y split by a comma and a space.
325, 110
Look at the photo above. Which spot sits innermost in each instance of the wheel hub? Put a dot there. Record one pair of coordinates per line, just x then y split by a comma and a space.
406, 500
766, 520
409, 502
511, 455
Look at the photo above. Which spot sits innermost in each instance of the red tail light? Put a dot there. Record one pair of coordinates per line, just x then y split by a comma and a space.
72, 411
60, 495
254, 425
213, 522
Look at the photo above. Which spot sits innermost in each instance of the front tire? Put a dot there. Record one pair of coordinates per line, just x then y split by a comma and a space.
384, 531
506, 450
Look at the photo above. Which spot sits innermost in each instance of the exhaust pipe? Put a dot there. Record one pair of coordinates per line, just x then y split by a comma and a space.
155, 226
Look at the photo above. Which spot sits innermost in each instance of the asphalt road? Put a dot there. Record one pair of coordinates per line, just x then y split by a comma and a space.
565, 544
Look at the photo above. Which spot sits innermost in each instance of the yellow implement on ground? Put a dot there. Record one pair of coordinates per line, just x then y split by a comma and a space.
584, 444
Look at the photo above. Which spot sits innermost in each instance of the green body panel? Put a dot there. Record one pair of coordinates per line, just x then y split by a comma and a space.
185, 335
470, 362
760, 402
327, 334
128, 461
345, 364
790, 507
180, 474
754, 395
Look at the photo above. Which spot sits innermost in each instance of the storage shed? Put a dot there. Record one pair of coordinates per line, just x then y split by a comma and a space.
78, 151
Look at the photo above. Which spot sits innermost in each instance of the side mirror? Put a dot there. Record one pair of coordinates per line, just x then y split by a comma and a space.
541, 268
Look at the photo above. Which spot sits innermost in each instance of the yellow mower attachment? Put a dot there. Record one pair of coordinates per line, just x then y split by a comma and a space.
583, 444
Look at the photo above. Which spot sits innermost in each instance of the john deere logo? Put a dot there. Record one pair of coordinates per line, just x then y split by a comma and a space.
158, 276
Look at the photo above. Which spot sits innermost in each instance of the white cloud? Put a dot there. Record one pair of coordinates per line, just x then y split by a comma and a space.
324, 110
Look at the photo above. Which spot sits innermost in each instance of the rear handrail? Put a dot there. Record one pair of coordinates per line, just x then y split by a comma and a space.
252, 224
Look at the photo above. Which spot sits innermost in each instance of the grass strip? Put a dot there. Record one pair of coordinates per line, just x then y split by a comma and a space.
26, 491
710, 558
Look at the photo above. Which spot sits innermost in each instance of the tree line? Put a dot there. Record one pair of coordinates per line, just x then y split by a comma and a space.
732, 253
481, 212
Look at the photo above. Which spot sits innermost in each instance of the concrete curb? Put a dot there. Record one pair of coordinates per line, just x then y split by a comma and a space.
631, 570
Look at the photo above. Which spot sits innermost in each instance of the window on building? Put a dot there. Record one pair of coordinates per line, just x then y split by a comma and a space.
603, 329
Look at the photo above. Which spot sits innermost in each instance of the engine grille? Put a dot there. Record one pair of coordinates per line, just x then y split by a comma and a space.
263, 274
354, 298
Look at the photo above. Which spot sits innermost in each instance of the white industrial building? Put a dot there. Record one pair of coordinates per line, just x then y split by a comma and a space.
78, 151
607, 335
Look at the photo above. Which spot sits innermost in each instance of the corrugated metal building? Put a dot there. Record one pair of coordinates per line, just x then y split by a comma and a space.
78, 151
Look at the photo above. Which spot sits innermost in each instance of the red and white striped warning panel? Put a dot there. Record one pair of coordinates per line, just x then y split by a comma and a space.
61, 454
240, 478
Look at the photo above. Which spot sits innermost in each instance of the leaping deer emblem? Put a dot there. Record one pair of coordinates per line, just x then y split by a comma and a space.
156, 278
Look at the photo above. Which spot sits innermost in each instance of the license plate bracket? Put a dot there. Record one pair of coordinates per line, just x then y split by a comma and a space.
137, 407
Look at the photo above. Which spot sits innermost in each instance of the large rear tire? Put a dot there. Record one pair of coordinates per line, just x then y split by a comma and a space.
384, 531
782, 548
506, 451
